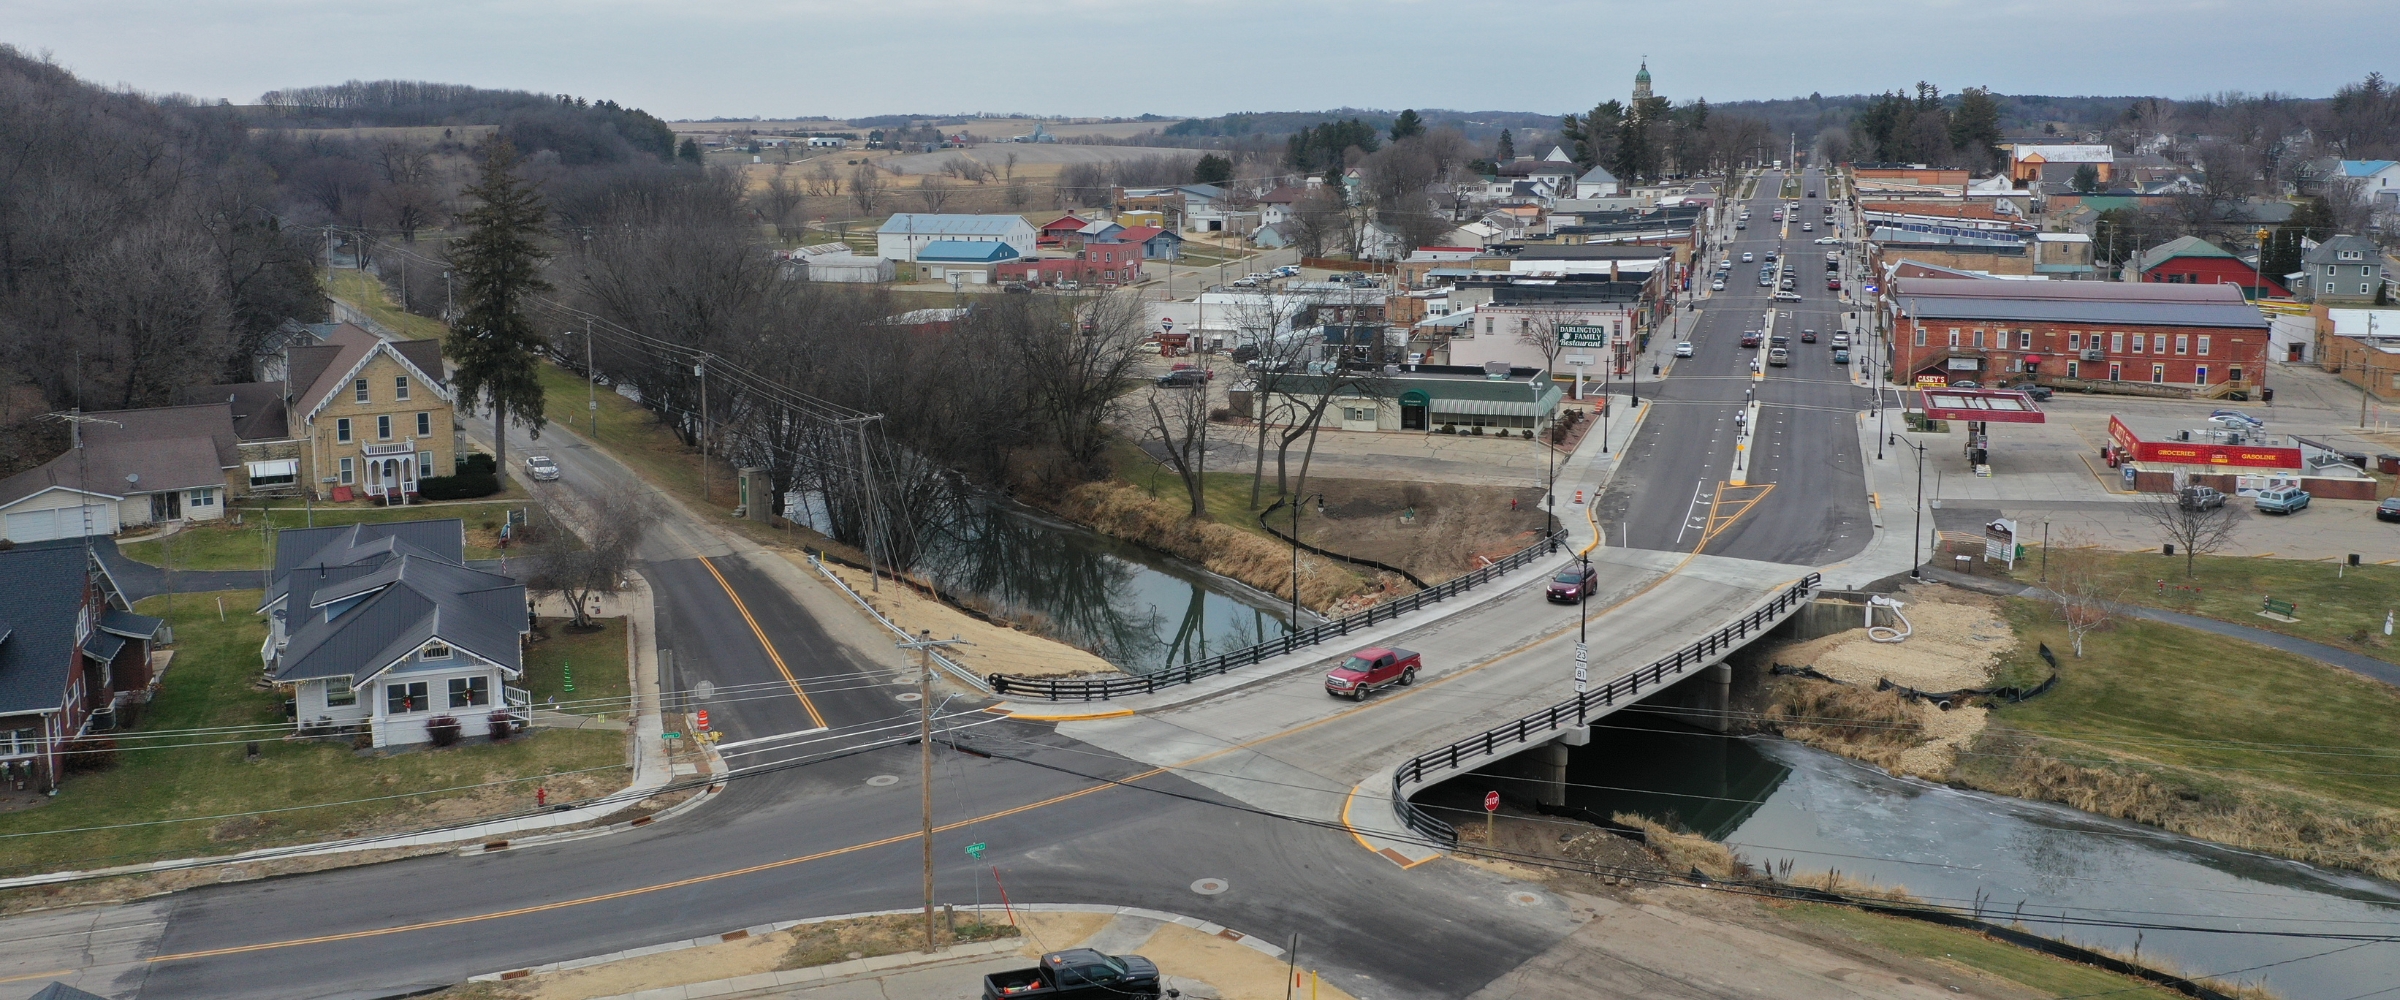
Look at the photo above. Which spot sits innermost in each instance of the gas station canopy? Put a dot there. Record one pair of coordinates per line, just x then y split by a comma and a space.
1989, 405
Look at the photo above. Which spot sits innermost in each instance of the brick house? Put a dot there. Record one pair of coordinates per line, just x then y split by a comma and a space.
2146, 338
74, 658
2190, 260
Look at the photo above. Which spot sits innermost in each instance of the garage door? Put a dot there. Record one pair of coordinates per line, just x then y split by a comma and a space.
63, 522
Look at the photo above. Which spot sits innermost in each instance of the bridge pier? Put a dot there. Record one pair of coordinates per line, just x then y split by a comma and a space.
1551, 766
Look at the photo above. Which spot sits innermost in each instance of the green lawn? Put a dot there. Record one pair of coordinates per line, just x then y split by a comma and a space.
632, 435
1228, 493
220, 545
598, 661
2339, 607
366, 292
1969, 950
2179, 696
172, 787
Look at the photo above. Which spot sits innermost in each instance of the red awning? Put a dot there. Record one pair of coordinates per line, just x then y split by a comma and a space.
1995, 405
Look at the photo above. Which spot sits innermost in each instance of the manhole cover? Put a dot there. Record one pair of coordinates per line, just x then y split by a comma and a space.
1211, 886
881, 780
1523, 898
910, 696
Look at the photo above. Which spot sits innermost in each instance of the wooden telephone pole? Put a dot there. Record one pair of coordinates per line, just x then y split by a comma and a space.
924, 645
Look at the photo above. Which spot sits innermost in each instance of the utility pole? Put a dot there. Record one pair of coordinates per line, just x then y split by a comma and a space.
1916, 557
924, 645
591, 392
866, 479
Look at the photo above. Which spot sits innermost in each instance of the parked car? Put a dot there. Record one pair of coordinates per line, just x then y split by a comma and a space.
2388, 510
1717, 285
1078, 974
1833, 284
1808, 336
2286, 500
2035, 391
541, 468
1683, 348
1371, 669
1185, 379
1573, 584
1841, 340
1245, 282
1841, 355
2200, 498
1966, 383
1741, 225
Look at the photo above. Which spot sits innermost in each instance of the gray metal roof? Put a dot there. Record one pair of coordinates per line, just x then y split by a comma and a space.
2330, 251
41, 590
404, 601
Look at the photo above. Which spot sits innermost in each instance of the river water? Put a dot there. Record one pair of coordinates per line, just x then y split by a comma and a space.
1772, 800
1138, 609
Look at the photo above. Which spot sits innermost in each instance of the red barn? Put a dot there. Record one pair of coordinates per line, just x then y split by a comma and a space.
2190, 260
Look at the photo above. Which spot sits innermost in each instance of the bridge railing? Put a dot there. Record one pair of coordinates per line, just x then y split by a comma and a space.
1104, 688
1577, 711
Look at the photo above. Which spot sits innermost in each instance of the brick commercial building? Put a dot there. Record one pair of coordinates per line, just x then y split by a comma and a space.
2190, 260
2181, 341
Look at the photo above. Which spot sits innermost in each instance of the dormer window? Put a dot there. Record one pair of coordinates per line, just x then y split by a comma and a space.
434, 651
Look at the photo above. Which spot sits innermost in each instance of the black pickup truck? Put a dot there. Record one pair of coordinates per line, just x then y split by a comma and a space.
1079, 974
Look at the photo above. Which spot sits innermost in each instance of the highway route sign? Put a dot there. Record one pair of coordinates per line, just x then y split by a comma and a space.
1583, 659
975, 850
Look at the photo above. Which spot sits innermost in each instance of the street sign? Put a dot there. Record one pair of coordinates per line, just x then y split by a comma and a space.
670, 736
1491, 802
975, 850
1582, 333
1583, 660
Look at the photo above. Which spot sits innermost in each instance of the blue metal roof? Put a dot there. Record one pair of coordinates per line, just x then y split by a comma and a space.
966, 252
2365, 168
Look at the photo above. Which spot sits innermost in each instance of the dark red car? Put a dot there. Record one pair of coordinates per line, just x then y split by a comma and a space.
1750, 339
1372, 668
1573, 584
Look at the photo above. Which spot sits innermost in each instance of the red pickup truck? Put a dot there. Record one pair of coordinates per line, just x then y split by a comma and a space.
1372, 668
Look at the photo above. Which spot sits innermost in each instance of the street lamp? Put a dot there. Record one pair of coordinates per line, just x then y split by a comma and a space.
1295, 505
1916, 557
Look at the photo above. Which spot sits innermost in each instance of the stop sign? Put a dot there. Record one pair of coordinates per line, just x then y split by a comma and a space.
1491, 802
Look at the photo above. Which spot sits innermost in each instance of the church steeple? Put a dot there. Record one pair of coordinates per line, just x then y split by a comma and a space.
1641, 81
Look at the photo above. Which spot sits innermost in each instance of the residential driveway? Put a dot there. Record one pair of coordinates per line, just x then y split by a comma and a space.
139, 580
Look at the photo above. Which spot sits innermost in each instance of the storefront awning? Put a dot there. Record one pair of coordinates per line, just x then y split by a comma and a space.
1483, 407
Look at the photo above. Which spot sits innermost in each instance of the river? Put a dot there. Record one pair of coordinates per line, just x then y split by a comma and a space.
1771, 800
1135, 608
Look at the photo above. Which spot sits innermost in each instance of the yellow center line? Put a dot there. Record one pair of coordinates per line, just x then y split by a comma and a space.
814, 717
52, 974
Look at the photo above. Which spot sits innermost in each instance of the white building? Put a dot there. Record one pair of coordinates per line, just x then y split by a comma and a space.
906, 233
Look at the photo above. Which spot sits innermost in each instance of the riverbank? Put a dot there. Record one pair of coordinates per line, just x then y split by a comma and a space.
1127, 512
2200, 734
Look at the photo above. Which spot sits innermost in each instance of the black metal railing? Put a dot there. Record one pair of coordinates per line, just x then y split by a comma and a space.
1104, 688
1577, 711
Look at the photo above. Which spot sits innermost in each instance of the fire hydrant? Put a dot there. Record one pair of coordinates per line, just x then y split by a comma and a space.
541, 797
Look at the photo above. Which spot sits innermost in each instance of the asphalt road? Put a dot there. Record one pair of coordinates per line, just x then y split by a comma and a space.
1798, 492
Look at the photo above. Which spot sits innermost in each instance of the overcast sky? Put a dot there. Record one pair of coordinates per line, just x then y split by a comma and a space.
703, 58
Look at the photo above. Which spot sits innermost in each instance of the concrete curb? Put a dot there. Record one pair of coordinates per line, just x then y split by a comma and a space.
840, 971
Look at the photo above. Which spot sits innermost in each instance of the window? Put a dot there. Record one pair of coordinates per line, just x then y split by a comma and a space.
2233, 374
20, 742
277, 473
1978, 338
468, 692
2200, 375
424, 465
341, 429
358, 390
2329, 288
1487, 321
204, 497
425, 425
1954, 336
434, 651
2074, 341
401, 699
2158, 373
383, 427
2116, 343
2204, 345
2074, 369
1920, 336
347, 475
339, 693
400, 387
2024, 340
2115, 372
2183, 343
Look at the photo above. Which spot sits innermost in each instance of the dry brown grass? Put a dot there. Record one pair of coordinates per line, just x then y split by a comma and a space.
867, 937
1682, 852
1873, 726
1124, 511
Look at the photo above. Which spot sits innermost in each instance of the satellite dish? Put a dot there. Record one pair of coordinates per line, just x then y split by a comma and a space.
132, 478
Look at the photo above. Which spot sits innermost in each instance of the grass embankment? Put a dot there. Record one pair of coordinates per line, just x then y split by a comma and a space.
221, 545
183, 786
595, 659
2337, 606
1969, 952
366, 292
2203, 735
1123, 510
867, 937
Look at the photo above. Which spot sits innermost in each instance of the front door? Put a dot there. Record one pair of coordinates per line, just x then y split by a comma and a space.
166, 506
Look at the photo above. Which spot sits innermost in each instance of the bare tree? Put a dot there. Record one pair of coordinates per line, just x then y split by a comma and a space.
576, 570
1017, 193
1076, 368
867, 185
822, 181
2082, 592
1178, 422
2346, 202
1320, 222
934, 192
1010, 165
778, 200
2197, 530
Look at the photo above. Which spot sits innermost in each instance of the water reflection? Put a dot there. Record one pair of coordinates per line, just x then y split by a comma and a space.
2019, 860
1134, 608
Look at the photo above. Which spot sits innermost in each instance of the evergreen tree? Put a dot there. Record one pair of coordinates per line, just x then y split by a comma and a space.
1593, 137
2087, 178
1212, 169
497, 264
689, 152
1407, 124
1507, 149
1975, 129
